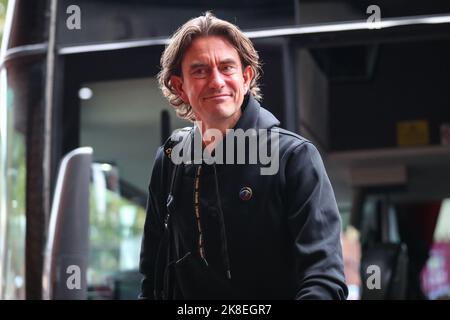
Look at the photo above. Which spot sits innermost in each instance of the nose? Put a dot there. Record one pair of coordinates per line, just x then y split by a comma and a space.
216, 80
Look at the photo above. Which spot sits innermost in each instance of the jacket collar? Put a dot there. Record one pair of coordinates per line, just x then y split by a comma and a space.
253, 116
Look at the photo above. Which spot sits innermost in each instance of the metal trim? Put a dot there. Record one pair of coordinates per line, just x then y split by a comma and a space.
271, 33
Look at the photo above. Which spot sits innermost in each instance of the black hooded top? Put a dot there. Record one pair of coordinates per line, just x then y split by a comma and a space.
271, 236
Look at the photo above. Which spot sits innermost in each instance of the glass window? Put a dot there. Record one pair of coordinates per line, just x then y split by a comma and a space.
12, 192
121, 120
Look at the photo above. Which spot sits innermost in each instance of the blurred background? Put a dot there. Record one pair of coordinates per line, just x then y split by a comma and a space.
366, 81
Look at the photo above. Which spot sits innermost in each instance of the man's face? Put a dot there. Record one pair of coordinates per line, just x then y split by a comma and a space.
212, 80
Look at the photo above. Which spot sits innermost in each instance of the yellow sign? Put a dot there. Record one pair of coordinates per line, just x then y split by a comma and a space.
413, 133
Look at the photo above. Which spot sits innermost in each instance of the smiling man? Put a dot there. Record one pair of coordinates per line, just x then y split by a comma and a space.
226, 231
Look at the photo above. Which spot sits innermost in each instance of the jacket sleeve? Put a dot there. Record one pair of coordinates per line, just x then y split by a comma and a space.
153, 228
315, 226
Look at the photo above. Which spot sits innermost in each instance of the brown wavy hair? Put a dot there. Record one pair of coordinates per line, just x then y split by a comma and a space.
205, 25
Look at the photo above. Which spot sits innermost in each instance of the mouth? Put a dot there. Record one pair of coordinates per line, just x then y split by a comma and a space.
218, 96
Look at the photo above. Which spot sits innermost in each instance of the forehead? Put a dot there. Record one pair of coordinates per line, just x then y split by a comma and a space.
210, 49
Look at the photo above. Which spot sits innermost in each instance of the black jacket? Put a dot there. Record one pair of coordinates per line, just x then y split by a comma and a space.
282, 243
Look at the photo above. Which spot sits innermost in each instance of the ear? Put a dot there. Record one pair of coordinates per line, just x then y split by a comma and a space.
177, 84
248, 75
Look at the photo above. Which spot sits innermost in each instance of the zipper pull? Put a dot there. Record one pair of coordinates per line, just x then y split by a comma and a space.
168, 205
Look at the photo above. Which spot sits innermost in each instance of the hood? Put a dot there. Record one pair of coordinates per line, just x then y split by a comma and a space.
253, 117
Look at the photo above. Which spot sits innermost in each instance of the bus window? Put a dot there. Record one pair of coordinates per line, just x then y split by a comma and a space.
12, 189
121, 121
115, 234
435, 275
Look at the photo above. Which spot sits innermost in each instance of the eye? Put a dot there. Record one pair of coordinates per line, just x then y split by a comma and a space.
228, 69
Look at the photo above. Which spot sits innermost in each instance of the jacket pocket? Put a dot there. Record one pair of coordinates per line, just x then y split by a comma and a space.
198, 281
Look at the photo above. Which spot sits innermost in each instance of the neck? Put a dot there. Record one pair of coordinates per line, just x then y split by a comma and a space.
213, 132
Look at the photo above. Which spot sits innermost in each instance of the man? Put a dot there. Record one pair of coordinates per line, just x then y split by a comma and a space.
223, 229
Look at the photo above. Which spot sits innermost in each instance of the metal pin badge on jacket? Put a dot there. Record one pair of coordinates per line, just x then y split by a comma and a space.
168, 152
246, 193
